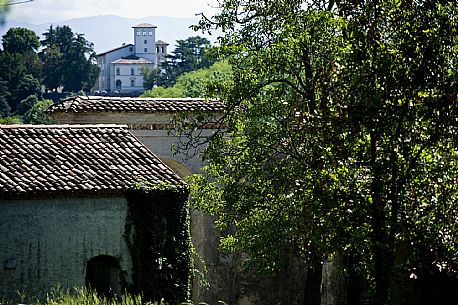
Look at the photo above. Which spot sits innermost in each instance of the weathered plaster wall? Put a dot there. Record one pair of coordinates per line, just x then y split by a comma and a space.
45, 243
227, 280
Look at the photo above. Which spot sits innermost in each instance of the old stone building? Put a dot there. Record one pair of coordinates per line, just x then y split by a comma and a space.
64, 203
121, 68
149, 120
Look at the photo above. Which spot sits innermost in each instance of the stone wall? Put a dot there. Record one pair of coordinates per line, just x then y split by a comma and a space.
45, 243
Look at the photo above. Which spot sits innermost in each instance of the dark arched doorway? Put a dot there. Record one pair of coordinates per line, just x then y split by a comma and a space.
118, 85
103, 275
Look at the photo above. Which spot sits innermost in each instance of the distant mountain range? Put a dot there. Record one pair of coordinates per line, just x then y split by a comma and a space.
108, 31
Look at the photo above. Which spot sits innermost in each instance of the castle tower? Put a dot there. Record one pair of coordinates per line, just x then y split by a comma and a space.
161, 50
145, 42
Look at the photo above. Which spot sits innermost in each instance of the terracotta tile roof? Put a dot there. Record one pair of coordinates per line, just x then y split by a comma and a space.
88, 159
131, 61
161, 42
125, 104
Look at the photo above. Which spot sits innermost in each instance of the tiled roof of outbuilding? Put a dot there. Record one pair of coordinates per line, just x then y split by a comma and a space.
49, 159
125, 104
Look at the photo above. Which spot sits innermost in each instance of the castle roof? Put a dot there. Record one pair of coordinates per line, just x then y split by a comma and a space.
127, 104
161, 42
115, 49
144, 25
130, 61
75, 159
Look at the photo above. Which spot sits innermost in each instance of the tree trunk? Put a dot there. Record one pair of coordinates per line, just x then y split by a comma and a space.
312, 293
380, 241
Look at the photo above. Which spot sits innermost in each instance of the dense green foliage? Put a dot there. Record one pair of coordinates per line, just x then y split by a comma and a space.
69, 60
66, 61
343, 129
36, 114
190, 54
157, 233
20, 67
195, 83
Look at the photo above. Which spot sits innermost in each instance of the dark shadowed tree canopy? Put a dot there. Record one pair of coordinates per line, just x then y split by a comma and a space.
343, 123
69, 60
20, 66
20, 40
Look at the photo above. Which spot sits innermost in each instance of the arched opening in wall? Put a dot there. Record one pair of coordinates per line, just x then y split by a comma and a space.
103, 275
179, 169
118, 84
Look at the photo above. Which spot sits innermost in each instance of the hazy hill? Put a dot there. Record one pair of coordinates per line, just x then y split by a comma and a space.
108, 31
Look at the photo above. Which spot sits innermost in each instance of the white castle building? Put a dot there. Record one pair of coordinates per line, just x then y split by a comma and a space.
121, 68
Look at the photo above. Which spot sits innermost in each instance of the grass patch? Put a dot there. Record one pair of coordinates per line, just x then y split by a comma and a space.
83, 296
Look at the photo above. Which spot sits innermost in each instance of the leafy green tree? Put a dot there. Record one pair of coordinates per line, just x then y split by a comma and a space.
20, 66
15, 71
190, 54
69, 60
342, 122
28, 85
194, 83
5, 108
26, 104
150, 77
20, 40
37, 115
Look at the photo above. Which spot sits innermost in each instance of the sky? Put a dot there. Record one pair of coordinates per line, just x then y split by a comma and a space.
42, 11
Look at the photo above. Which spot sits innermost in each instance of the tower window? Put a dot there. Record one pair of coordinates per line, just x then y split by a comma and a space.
146, 50
145, 41
132, 82
150, 33
144, 32
139, 32
118, 71
132, 72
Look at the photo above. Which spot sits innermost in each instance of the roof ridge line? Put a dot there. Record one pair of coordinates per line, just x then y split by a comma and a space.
62, 126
